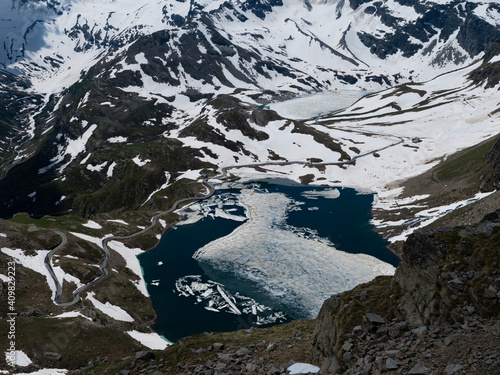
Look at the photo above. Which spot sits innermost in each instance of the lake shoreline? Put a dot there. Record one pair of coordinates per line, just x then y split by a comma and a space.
289, 185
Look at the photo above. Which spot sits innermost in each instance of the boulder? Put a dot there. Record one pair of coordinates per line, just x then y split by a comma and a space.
217, 346
451, 369
374, 319
391, 364
241, 352
419, 369
144, 355
490, 292
52, 356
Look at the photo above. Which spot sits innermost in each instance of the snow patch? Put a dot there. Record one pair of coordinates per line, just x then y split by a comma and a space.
152, 340
118, 139
92, 224
119, 221
96, 168
73, 148
70, 314
21, 359
109, 172
107, 308
303, 368
141, 163
428, 216
132, 263
95, 240
164, 186
46, 371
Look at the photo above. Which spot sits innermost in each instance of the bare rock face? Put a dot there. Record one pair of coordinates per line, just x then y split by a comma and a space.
491, 181
417, 274
476, 35
494, 160
325, 336
446, 282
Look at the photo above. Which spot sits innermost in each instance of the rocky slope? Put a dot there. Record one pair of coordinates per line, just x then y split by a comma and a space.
445, 289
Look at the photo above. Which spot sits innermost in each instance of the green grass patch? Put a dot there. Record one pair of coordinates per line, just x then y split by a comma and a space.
382, 296
471, 160
65, 222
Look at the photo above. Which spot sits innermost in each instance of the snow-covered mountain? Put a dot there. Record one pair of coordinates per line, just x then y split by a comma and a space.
58, 40
178, 84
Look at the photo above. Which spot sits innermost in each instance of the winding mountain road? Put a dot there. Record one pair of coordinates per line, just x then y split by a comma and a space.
102, 266
154, 220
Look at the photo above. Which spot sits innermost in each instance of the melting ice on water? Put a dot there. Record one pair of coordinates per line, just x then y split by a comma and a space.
216, 298
287, 267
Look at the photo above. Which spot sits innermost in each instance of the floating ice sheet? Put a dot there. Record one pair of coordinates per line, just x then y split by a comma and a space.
288, 267
309, 106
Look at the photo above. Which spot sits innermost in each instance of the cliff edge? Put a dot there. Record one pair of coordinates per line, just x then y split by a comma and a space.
446, 289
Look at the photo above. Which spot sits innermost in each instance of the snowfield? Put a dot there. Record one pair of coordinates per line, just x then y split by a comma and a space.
447, 114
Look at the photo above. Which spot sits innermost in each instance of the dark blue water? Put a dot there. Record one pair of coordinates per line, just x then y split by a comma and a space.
344, 221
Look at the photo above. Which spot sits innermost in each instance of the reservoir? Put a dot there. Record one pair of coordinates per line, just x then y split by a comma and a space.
261, 253
312, 105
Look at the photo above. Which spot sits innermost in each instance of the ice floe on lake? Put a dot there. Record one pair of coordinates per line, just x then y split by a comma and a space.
222, 206
216, 298
312, 105
328, 194
288, 267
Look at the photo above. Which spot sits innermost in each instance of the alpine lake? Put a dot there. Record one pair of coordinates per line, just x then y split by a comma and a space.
192, 297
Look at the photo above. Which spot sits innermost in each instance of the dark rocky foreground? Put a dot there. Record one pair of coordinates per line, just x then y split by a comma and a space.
445, 291
375, 347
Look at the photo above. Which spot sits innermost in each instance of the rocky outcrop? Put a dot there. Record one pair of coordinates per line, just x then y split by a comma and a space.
476, 35
399, 348
494, 160
325, 336
417, 274
488, 72
491, 181
446, 282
